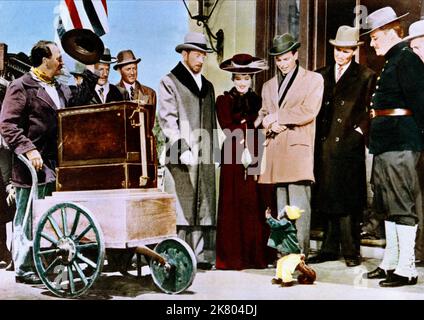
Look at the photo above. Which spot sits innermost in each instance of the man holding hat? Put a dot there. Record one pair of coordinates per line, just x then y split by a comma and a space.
396, 113
290, 104
187, 117
340, 193
105, 91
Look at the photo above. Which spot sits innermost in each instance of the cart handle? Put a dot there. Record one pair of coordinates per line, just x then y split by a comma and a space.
33, 195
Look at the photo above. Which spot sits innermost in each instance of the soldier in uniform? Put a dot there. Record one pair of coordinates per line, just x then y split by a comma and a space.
396, 143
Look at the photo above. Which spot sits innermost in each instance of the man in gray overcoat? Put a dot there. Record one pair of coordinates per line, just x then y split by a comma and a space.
187, 117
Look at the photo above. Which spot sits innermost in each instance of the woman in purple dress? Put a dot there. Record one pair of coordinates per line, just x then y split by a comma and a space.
241, 230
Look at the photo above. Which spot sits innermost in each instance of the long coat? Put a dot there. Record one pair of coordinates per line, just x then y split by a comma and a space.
28, 121
241, 230
188, 121
289, 157
340, 149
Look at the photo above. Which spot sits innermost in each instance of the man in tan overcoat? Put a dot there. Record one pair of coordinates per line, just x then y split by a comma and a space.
290, 104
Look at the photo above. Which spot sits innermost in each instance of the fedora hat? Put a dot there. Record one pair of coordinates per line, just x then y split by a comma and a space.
346, 37
106, 57
82, 45
125, 57
380, 18
416, 30
194, 41
244, 63
282, 44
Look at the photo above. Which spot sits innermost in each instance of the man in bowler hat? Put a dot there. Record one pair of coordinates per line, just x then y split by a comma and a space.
290, 104
104, 91
396, 112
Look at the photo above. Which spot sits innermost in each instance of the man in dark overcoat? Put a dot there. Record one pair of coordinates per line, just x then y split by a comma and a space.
188, 121
28, 123
340, 190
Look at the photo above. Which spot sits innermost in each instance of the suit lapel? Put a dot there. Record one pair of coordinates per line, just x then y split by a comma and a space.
44, 96
294, 87
348, 77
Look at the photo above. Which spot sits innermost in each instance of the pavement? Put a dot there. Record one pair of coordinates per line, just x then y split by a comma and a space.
335, 281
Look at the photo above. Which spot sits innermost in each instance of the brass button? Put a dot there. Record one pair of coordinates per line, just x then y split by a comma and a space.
371, 104
339, 120
327, 103
342, 103
337, 139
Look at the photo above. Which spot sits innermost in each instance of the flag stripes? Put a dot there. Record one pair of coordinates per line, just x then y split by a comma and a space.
87, 14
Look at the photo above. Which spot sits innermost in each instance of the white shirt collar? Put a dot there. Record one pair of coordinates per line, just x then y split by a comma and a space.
128, 86
344, 68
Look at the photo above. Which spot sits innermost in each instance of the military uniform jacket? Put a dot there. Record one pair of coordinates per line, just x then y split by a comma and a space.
340, 149
400, 85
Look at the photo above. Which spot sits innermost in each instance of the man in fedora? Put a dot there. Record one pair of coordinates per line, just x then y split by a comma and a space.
340, 192
290, 104
105, 91
187, 117
126, 64
396, 110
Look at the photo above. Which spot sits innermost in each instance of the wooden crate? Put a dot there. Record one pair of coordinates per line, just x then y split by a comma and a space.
128, 218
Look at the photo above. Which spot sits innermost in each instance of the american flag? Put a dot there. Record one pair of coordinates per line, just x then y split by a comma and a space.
83, 14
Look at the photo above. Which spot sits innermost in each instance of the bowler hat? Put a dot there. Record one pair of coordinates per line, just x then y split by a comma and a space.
125, 57
282, 44
380, 18
416, 30
194, 41
346, 37
244, 63
106, 57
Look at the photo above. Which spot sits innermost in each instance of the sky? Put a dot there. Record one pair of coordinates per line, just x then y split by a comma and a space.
151, 28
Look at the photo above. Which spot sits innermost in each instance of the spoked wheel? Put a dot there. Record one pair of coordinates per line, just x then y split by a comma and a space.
68, 249
177, 274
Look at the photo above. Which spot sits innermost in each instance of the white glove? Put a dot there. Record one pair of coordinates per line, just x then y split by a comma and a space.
11, 194
269, 119
246, 158
277, 128
187, 158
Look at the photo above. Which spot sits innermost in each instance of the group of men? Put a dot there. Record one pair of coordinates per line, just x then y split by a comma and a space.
317, 126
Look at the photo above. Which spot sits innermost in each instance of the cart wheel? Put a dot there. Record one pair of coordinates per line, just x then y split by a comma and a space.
68, 249
179, 271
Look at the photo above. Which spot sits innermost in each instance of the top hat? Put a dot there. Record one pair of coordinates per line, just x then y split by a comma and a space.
125, 57
346, 37
194, 41
282, 44
106, 57
380, 18
416, 30
83, 45
244, 63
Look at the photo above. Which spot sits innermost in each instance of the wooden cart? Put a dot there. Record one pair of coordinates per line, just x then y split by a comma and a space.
72, 229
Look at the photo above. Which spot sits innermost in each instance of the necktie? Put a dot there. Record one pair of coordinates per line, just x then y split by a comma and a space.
339, 73
101, 94
132, 93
